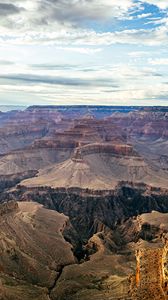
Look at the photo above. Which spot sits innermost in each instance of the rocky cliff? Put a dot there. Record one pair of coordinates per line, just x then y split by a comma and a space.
89, 209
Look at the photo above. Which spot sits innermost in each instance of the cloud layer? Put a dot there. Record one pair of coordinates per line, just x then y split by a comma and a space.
93, 51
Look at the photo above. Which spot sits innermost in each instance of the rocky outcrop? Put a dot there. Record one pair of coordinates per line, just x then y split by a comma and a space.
151, 280
149, 275
99, 168
8, 207
112, 149
8, 181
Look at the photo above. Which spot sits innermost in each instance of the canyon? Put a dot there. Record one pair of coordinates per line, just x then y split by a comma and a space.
84, 203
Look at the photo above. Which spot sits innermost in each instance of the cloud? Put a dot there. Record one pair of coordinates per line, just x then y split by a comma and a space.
114, 85
140, 16
55, 22
81, 11
63, 13
56, 80
79, 50
137, 54
77, 37
74, 13
8, 9
159, 61
162, 4
6, 62
47, 66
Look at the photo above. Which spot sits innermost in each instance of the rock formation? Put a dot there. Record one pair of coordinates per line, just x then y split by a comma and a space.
149, 276
32, 250
8, 207
104, 172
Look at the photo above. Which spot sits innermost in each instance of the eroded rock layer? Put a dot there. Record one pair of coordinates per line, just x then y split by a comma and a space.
105, 171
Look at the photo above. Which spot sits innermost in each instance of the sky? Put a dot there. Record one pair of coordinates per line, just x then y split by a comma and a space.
99, 52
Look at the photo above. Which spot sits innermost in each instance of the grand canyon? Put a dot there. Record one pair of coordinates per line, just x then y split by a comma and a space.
84, 203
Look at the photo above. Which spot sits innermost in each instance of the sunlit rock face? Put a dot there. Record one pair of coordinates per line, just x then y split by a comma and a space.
151, 279
149, 276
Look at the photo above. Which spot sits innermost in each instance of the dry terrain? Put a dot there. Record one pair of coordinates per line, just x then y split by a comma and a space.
84, 203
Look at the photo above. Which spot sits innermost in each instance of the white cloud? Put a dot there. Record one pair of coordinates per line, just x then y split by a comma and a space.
56, 23
162, 4
96, 34
137, 54
124, 83
81, 50
159, 61
151, 37
140, 16
64, 13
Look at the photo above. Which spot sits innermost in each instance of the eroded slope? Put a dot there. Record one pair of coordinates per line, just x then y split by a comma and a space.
32, 249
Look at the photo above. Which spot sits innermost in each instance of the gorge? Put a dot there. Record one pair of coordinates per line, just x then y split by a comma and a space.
84, 203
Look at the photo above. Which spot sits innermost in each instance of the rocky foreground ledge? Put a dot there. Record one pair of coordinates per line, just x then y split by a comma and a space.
126, 262
33, 250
